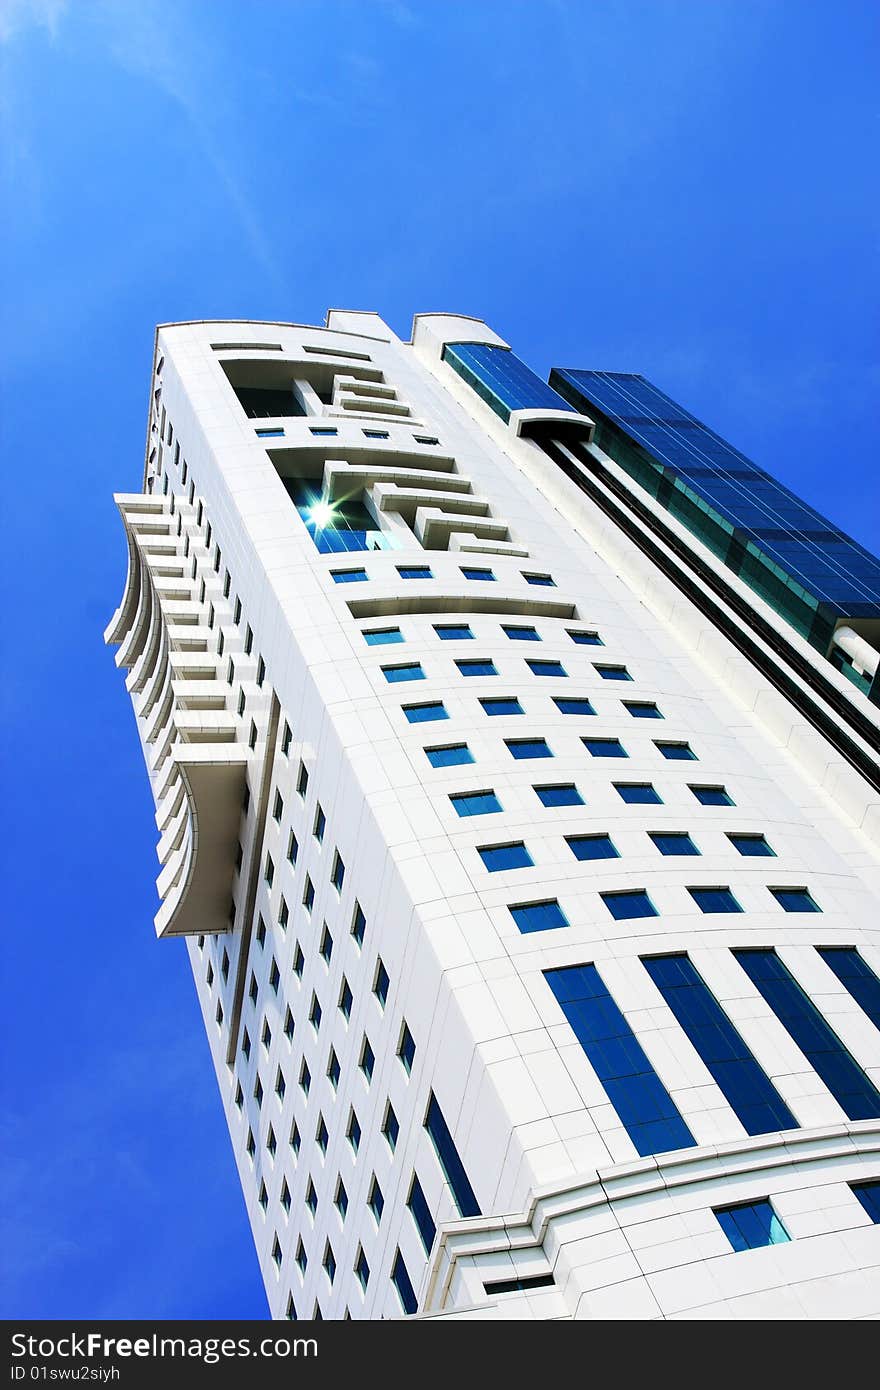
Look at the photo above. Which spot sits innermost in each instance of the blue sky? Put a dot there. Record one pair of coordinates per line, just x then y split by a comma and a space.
676, 187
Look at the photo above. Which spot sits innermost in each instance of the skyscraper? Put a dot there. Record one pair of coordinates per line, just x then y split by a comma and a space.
515, 755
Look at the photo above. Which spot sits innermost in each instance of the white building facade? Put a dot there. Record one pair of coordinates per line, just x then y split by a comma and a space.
528, 858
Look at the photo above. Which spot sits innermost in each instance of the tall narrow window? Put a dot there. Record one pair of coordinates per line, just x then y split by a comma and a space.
855, 975
453, 1168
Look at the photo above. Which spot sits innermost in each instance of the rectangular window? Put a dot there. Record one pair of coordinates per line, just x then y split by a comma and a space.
497, 858
475, 803
517, 633
414, 572
750, 1225
381, 984
586, 639
346, 999
338, 873
502, 704
566, 794
403, 1284
358, 925
326, 947
714, 900
471, 572
671, 842
585, 847
868, 1193
447, 1154
277, 807
286, 738
477, 668
450, 755
521, 748
412, 671
375, 434
642, 709
421, 1214
320, 824
318, 429
543, 916
248, 641
329, 1262
751, 846
353, 1132
292, 848
712, 796
309, 895
638, 793
391, 1127
340, 1201
745, 1086
453, 632
795, 900
567, 704
362, 1269
630, 903
367, 1060
612, 673
299, 961
856, 976
356, 576
546, 668
541, 579
406, 1049
853, 1090
382, 636
605, 747
302, 780
425, 439
642, 1102
424, 714
375, 1200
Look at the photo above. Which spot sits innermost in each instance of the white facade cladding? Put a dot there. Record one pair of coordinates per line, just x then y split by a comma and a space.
533, 919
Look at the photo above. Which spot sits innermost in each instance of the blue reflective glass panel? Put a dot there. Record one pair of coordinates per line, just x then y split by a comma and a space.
642, 1102
497, 858
520, 634
747, 1089
567, 795
453, 632
712, 796
476, 668
348, 576
714, 900
501, 379
795, 900
854, 1092
638, 793
751, 1225
572, 705
613, 673
423, 714
751, 846
502, 704
475, 803
673, 842
382, 636
585, 847
453, 1168
642, 709
449, 756
855, 975
546, 668
411, 672
545, 916
470, 572
414, 572
868, 1194
403, 1284
586, 639
528, 748
421, 1214
634, 902
605, 747
676, 752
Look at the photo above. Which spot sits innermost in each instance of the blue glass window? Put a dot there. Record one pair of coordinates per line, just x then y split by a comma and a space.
868, 1193
502, 704
421, 1214
406, 1049
358, 924
714, 900
749, 1092
362, 1269
712, 796
567, 704
638, 793
631, 902
496, 858
376, 434
452, 754
501, 379
751, 1225
517, 633
585, 847
613, 673
318, 429
270, 434
528, 748
338, 872
375, 1201
475, 803
586, 639
633, 1087
414, 572
382, 984
854, 1092
605, 747
676, 752
795, 900
381, 636
403, 1284
472, 572
391, 1127
544, 916
565, 794
546, 668
642, 709
540, 579
751, 846
673, 842
423, 714
412, 671
855, 975
453, 632
348, 576
453, 1169
477, 667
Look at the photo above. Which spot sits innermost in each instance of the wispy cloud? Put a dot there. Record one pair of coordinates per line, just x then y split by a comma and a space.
16, 16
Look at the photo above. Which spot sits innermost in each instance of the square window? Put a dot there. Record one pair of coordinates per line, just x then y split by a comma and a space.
638, 793
251, 1143
406, 1049
383, 636
453, 632
263, 1198
642, 709
276, 1252
613, 673
633, 902
605, 747
521, 748
253, 990
246, 1044
283, 914
714, 900
353, 576
451, 755
572, 705
670, 842
326, 947
475, 803
424, 714
475, 572
517, 633
358, 925
565, 794
236, 612
543, 916
414, 572
750, 1225
712, 796
239, 1095
795, 900
542, 579
412, 671
252, 736
266, 1035
391, 1127
546, 668
248, 641
338, 873
477, 667
381, 983
497, 858
502, 704
271, 1142
585, 847
751, 846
